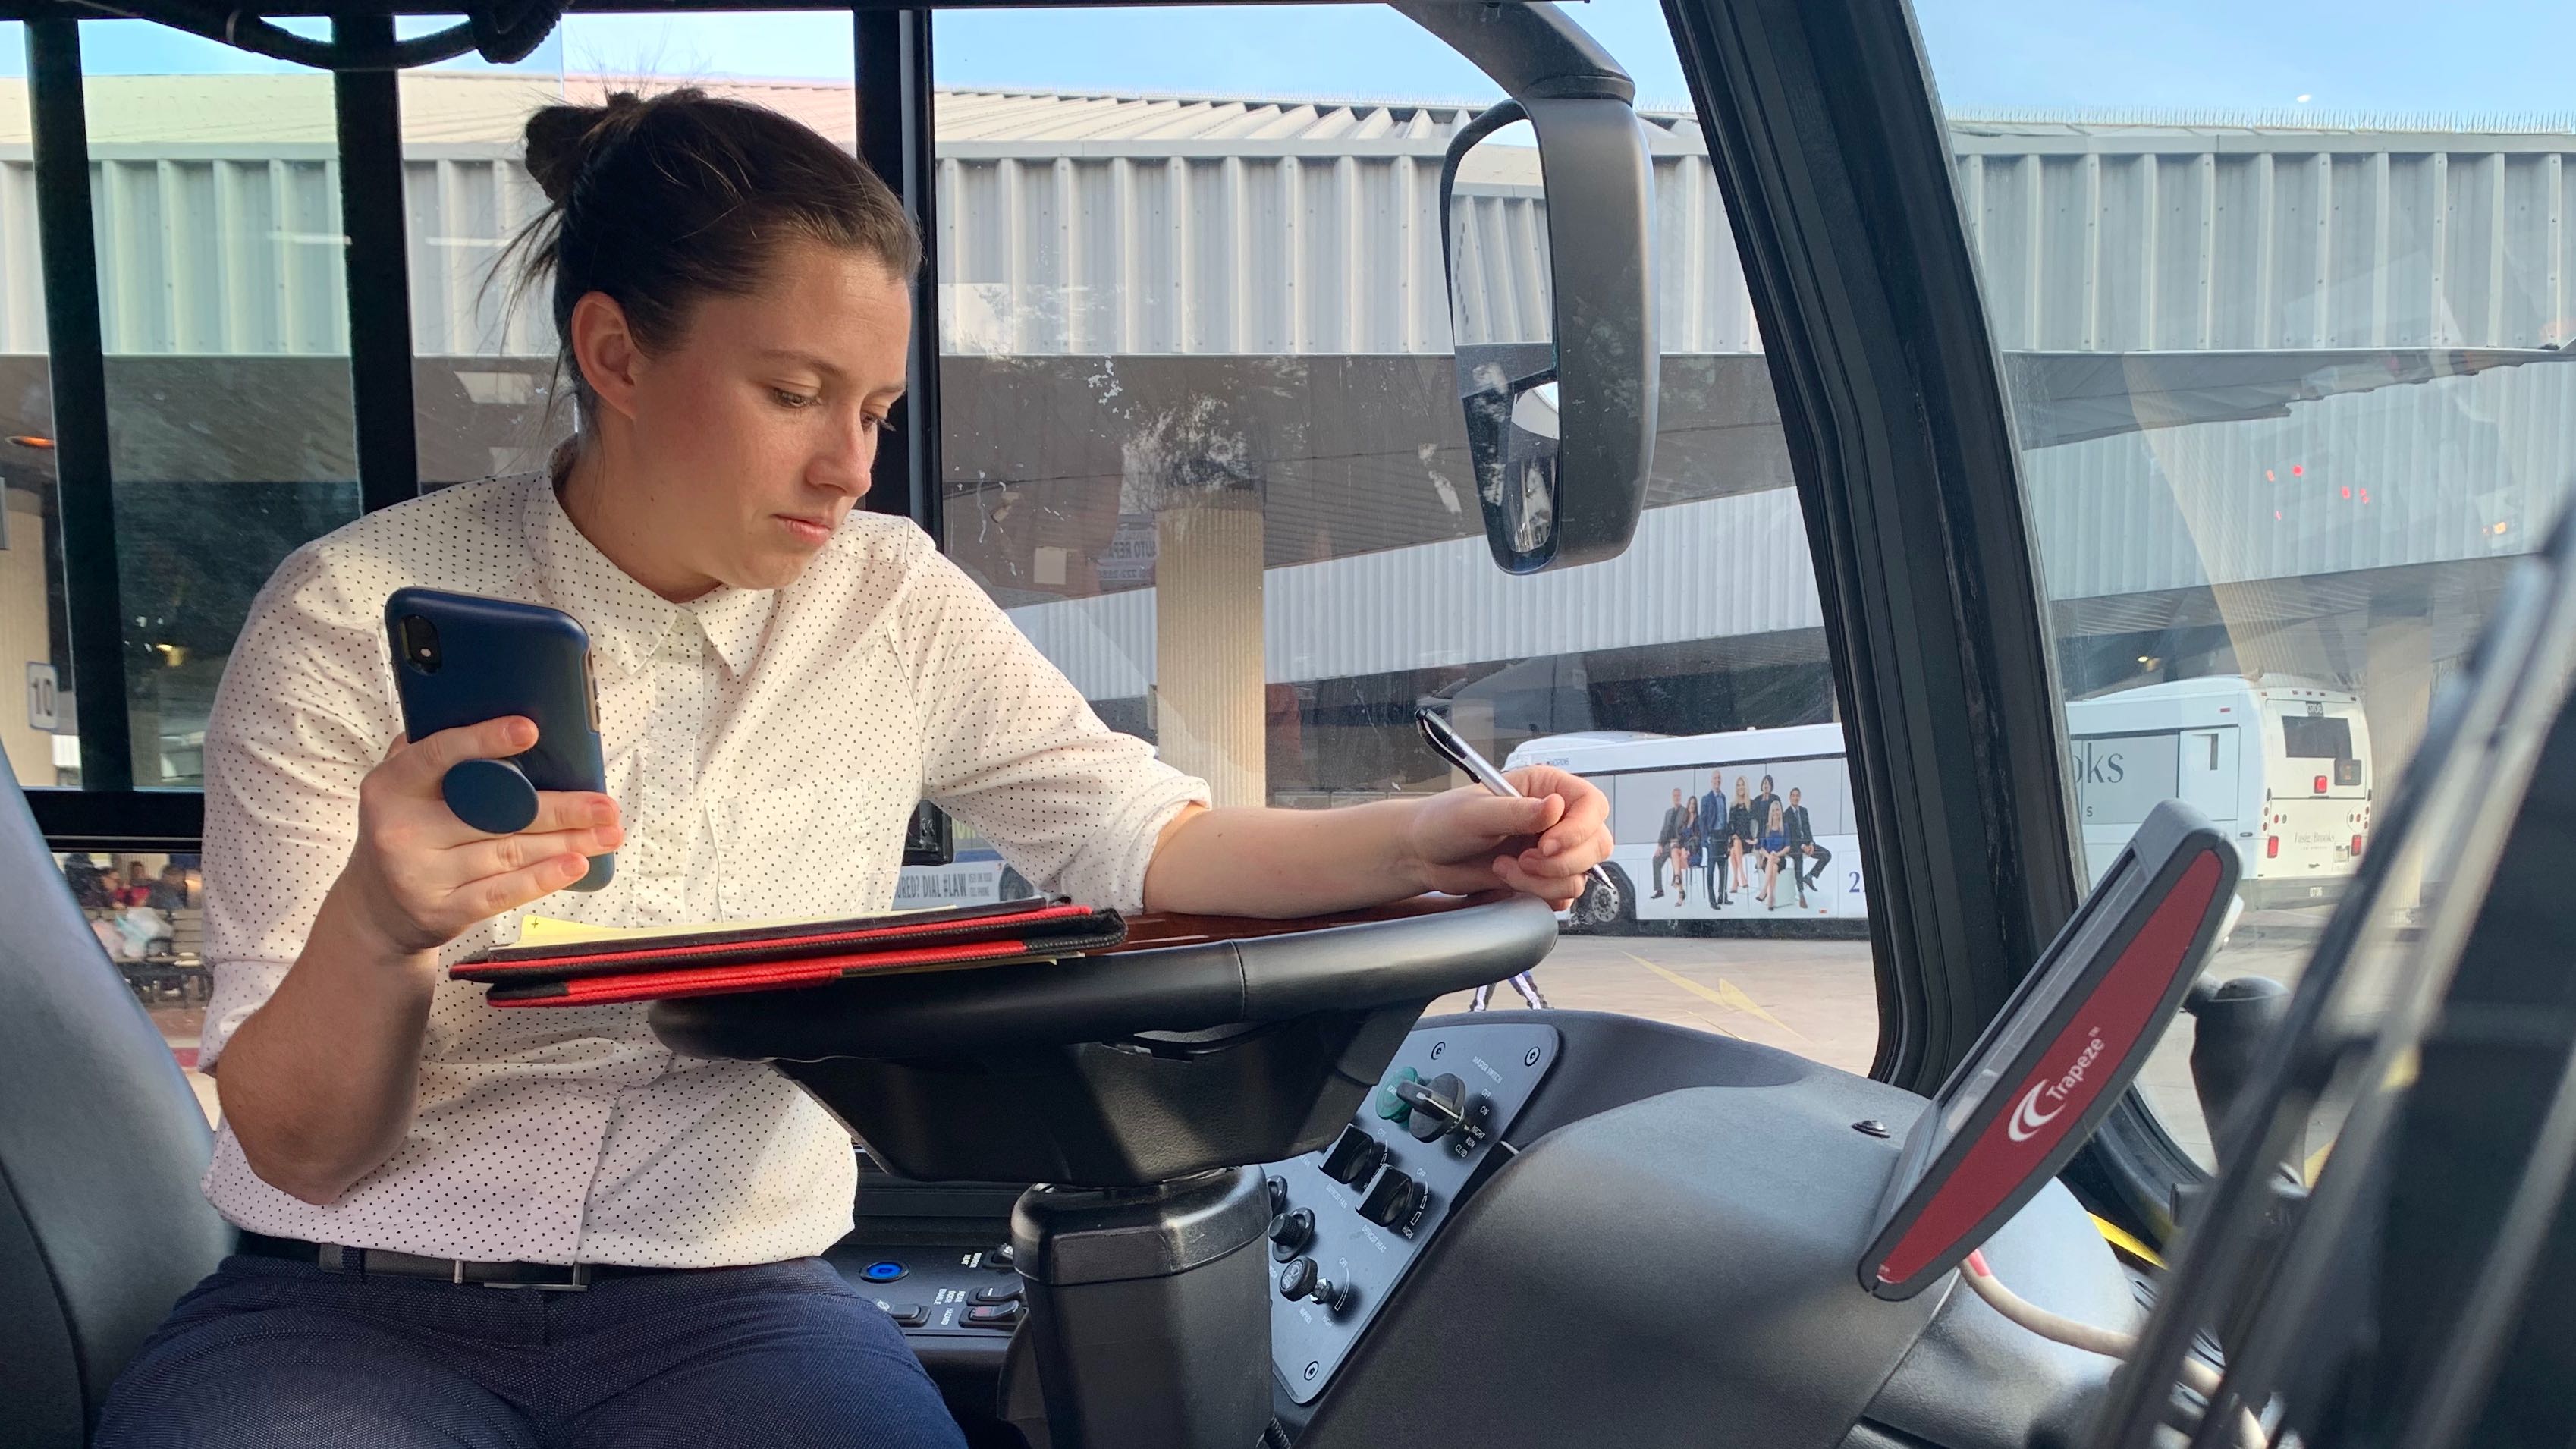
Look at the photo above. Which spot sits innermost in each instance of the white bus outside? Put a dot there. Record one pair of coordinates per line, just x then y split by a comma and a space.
976, 875
2281, 766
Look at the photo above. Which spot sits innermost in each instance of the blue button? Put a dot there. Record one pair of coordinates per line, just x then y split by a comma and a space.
882, 1272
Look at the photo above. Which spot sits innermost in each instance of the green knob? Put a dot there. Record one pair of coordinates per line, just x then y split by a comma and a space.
1392, 1107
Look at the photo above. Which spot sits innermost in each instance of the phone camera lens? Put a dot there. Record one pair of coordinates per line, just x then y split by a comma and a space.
420, 643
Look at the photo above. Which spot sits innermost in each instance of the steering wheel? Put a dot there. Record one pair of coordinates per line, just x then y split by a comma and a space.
1203, 1043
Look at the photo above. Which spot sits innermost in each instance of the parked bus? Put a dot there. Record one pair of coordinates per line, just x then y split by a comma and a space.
2283, 766
976, 875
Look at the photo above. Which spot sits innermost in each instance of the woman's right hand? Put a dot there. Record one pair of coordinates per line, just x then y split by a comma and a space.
419, 877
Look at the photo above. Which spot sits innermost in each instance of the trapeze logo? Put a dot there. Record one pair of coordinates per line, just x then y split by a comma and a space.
2027, 1119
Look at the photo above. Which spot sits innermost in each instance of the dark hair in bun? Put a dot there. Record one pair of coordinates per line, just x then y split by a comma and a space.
659, 202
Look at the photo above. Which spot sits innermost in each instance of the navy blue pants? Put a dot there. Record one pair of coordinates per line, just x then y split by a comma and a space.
274, 1353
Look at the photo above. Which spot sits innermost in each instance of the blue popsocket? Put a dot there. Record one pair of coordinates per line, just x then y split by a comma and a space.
490, 795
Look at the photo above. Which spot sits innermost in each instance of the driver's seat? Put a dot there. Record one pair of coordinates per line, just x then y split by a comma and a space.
102, 1226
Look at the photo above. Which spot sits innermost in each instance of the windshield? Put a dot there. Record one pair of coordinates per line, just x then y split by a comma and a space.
2281, 301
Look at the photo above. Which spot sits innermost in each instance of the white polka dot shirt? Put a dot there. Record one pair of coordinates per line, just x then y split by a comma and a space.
766, 750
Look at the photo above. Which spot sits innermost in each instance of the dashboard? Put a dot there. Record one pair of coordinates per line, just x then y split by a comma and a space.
1544, 1226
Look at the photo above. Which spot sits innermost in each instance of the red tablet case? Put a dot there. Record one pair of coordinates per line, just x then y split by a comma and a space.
768, 958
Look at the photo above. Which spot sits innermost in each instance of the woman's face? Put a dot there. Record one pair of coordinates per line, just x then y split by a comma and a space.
731, 456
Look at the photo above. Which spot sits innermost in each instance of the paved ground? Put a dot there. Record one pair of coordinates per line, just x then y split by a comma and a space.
1816, 998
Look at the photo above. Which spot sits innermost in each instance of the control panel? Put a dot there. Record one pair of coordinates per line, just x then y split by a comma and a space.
937, 1291
1347, 1222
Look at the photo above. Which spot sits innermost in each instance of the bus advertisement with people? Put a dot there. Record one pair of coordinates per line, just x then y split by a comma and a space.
1753, 825
1757, 825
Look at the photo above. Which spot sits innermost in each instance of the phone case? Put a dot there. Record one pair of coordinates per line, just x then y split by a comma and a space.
499, 657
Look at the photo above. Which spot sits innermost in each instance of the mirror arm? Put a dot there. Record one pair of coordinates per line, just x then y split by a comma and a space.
1533, 51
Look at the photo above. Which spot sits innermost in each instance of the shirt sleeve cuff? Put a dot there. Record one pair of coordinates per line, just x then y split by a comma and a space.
241, 987
1114, 877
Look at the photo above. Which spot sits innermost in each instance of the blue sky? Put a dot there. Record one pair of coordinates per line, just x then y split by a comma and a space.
2477, 57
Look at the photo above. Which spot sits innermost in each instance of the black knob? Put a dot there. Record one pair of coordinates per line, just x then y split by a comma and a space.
1302, 1279
1354, 1156
1435, 1108
1393, 1199
1290, 1233
1278, 1195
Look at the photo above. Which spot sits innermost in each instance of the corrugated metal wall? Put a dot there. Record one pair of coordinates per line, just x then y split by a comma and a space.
1279, 253
1088, 227
2178, 239
1326, 240
465, 207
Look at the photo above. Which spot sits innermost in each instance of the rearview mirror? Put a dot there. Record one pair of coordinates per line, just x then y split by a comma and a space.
1543, 222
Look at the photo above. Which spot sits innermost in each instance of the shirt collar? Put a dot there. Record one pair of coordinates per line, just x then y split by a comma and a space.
627, 621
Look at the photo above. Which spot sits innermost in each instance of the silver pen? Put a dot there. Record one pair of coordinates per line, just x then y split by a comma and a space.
1454, 748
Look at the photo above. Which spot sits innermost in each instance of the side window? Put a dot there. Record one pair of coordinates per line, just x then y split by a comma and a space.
1202, 440
223, 311
35, 653
148, 912
2289, 380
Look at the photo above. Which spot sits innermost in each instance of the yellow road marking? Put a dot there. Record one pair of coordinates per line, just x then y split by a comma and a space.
1733, 994
2127, 1242
1726, 994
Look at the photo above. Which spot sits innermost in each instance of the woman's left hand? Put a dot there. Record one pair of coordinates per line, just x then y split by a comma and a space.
1470, 839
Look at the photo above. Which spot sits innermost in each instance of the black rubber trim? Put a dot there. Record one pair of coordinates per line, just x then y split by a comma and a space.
1829, 146
84, 483
897, 142
149, 821
377, 269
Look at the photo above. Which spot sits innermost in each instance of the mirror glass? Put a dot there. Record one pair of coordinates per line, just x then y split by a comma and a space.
1502, 319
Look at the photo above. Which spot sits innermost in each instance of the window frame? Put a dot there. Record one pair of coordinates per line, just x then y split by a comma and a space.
1832, 154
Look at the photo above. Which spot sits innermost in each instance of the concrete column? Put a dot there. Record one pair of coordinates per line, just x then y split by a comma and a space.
2396, 699
25, 636
1210, 700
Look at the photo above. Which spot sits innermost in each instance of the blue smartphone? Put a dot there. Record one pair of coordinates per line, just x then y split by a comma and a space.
462, 659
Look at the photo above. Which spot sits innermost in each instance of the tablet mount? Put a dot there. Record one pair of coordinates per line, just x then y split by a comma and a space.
2059, 1056
1138, 1087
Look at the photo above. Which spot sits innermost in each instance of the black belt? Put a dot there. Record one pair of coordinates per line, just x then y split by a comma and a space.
384, 1262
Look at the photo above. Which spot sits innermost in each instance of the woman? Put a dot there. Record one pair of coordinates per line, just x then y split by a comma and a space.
1685, 851
1742, 831
1774, 848
779, 679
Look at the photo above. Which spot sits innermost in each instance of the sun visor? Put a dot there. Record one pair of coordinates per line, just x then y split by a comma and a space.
2059, 1055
